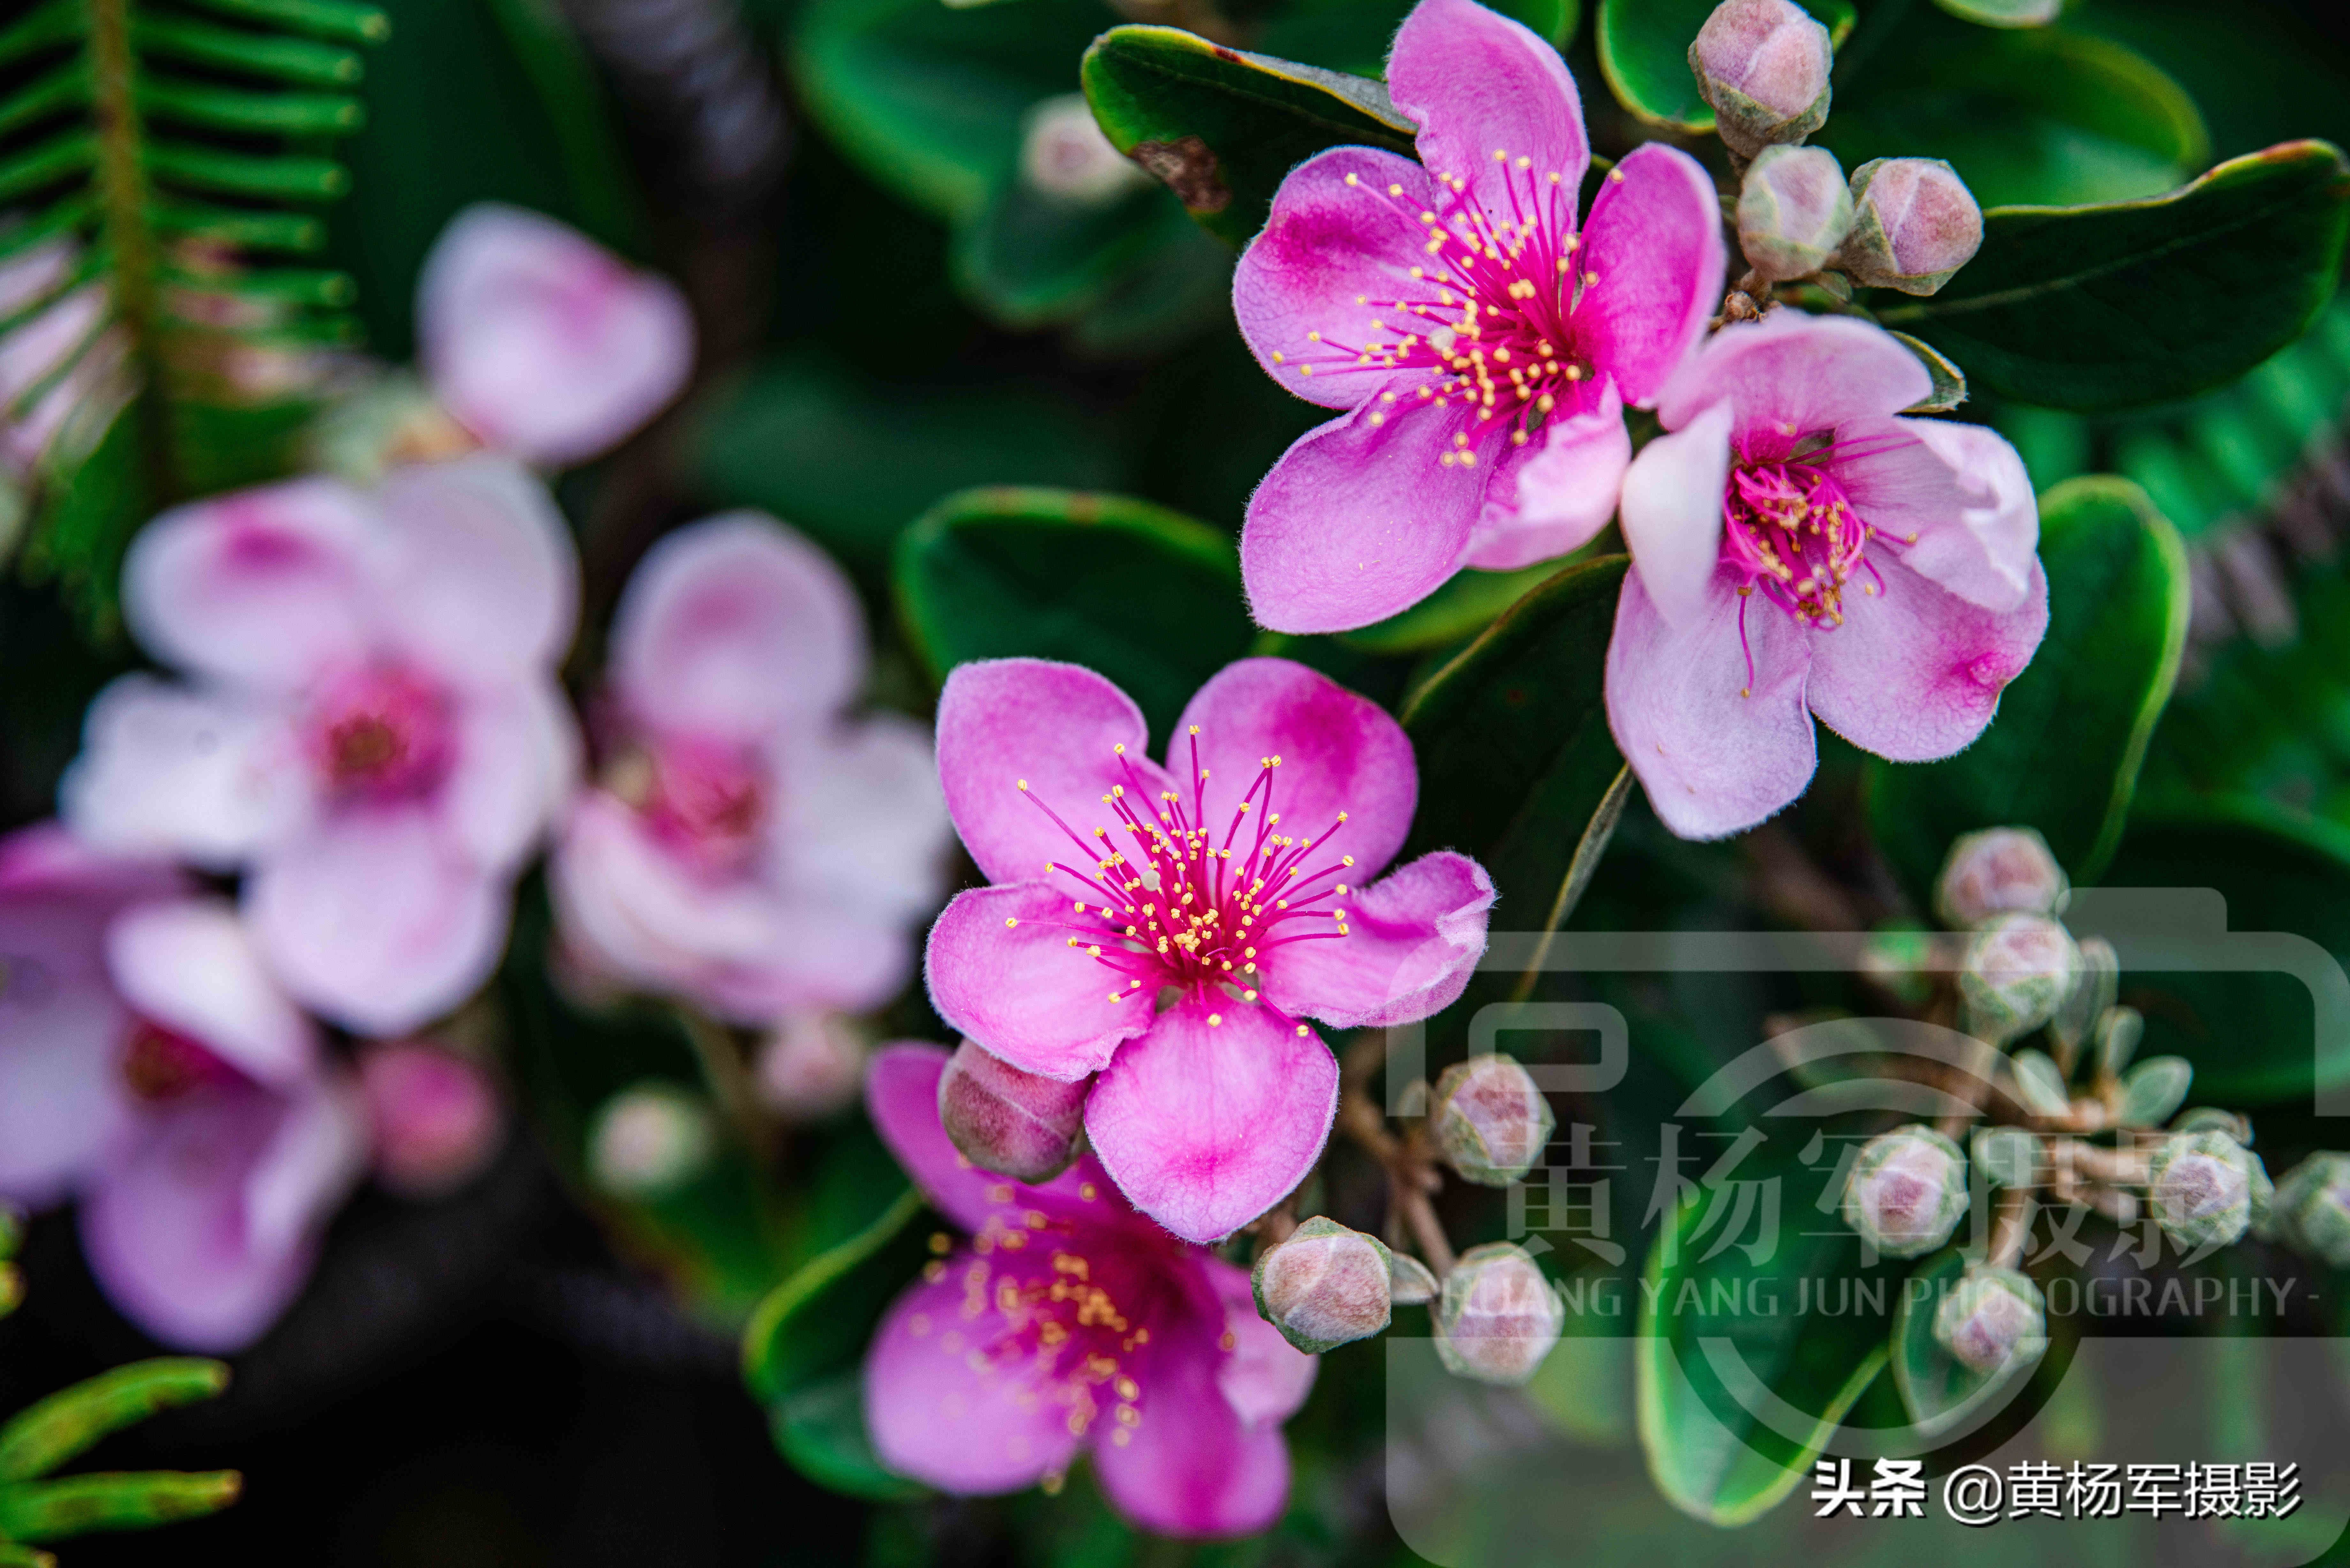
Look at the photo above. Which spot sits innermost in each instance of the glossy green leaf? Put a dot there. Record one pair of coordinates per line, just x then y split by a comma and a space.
1030, 259
1949, 388
78, 1505
2040, 1083
37, 1440
1220, 126
2154, 1091
2117, 602
2138, 302
2005, 13
1644, 55
1937, 1389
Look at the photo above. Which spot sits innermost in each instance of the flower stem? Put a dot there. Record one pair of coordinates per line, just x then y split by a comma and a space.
723, 1069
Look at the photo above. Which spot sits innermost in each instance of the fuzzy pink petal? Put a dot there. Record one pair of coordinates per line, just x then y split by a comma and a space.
483, 581
259, 587
1339, 752
543, 343
901, 1095
1961, 489
1672, 514
377, 921
1413, 939
1194, 1467
865, 826
736, 627
1361, 517
1713, 760
1654, 240
1022, 992
1558, 499
191, 966
1480, 85
1265, 1378
1915, 673
1058, 728
1206, 1126
1326, 246
200, 776
49, 863
517, 765
63, 1101
1791, 375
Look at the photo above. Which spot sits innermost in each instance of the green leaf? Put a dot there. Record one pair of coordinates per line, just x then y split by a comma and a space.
1144, 595
37, 1440
2117, 602
2040, 1083
2155, 1090
78, 1505
1937, 1389
1030, 259
2131, 303
1644, 49
2005, 13
1220, 127
1950, 381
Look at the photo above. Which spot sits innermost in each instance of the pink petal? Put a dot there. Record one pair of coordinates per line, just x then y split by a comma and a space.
1327, 246
481, 583
734, 627
47, 864
1791, 375
259, 587
1361, 517
1339, 752
543, 343
1205, 1126
517, 764
1961, 490
864, 825
1194, 1467
1265, 1378
1022, 992
202, 777
901, 1095
1480, 85
377, 921
63, 1102
1412, 940
1055, 727
191, 966
1654, 239
1714, 759
1915, 673
1559, 499
1672, 514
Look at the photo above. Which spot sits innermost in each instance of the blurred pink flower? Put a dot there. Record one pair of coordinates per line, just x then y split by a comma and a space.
1228, 882
149, 1064
437, 1116
541, 342
1070, 1323
61, 362
373, 731
750, 849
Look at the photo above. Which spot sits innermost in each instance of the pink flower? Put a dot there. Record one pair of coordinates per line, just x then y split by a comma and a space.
751, 849
1482, 349
541, 343
373, 731
436, 1116
149, 1064
1799, 551
1167, 928
1070, 1323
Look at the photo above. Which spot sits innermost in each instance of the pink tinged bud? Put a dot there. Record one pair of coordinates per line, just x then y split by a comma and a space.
1408, 1281
649, 1141
1906, 1191
2205, 1190
436, 1117
1914, 223
1998, 871
1324, 1286
1491, 1123
1992, 1318
2017, 971
1065, 155
811, 1068
1763, 66
1793, 210
2313, 1207
1020, 1125
1499, 1315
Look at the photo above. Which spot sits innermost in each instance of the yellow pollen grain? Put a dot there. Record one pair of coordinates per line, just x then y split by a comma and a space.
1011, 920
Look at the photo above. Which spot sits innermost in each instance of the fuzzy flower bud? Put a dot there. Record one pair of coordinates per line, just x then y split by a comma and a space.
1793, 210
1497, 1316
1992, 1318
650, 1140
436, 1117
1324, 1286
1490, 1122
1015, 1124
2204, 1189
1998, 871
1914, 223
2313, 1207
1064, 154
1906, 1191
811, 1068
1763, 66
2017, 970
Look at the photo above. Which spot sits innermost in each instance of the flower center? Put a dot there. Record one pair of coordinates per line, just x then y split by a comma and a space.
381, 733
707, 800
1790, 529
161, 1064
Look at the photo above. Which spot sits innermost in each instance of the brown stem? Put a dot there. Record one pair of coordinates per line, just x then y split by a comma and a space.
1973, 1087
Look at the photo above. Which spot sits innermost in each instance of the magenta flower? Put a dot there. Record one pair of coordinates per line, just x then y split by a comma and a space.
1168, 928
373, 731
1798, 551
1482, 349
1068, 1324
149, 1064
751, 850
541, 343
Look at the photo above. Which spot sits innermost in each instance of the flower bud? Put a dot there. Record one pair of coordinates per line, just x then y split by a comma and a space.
811, 1068
1324, 1286
649, 1141
1490, 1123
1408, 1281
1016, 1124
436, 1117
1497, 1316
2313, 1207
1914, 223
2204, 1187
1998, 871
1992, 1318
1064, 154
1793, 210
1763, 66
2017, 970
1906, 1191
